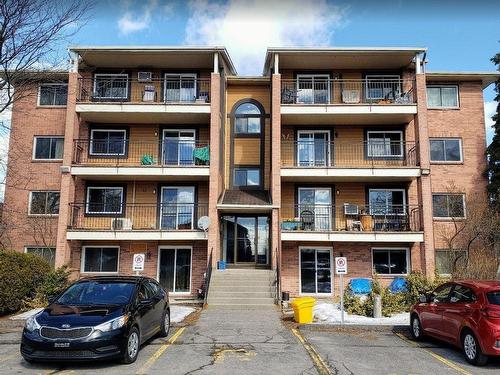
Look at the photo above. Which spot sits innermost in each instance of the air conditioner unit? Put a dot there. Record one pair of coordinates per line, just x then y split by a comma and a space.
351, 209
119, 223
144, 76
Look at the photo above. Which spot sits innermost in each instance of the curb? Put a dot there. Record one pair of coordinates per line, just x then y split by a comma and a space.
353, 327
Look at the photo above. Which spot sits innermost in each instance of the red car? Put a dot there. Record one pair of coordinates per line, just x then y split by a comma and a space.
463, 313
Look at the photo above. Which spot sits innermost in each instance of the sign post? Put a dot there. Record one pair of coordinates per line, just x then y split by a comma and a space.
341, 270
138, 263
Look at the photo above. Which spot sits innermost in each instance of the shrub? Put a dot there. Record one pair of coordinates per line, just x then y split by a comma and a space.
20, 274
52, 285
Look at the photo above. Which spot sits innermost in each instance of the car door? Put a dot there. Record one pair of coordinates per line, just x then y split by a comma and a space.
457, 310
145, 307
157, 304
432, 315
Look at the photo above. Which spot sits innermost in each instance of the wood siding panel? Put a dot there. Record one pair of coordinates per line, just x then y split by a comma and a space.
246, 151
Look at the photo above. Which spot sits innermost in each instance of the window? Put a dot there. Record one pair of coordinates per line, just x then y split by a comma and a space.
111, 86
105, 200
100, 259
448, 206
462, 294
387, 201
390, 261
442, 96
446, 150
385, 143
448, 260
105, 142
248, 120
442, 293
44, 203
246, 177
382, 86
52, 94
48, 148
175, 269
47, 253
315, 271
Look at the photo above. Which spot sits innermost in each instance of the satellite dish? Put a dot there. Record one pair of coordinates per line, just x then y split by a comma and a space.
204, 223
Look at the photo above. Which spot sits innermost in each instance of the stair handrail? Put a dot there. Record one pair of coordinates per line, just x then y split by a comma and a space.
208, 276
277, 275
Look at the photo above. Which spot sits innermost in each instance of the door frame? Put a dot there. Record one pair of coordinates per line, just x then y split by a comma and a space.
331, 214
328, 155
177, 205
172, 247
332, 281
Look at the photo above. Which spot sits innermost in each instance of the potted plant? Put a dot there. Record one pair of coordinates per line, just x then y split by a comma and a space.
290, 224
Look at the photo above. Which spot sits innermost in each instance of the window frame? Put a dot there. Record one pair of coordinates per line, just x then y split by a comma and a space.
30, 198
332, 270
311, 77
389, 249
113, 214
82, 261
36, 137
405, 200
401, 144
179, 76
444, 139
175, 248
108, 155
448, 218
112, 98
246, 168
379, 78
43, 248
51, 105
440, 86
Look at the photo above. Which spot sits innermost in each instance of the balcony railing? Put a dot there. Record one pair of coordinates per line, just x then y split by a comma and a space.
350, 217
368, 154
130, 217
347, 91
132, 153
112, 89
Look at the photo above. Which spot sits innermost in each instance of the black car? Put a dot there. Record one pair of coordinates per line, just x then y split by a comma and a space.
98, 318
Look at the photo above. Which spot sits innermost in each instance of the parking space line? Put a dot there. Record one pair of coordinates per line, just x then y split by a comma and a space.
447, 362
160, 351
319, 363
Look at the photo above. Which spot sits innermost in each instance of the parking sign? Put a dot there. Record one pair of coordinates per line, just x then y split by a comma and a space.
341, 265
138, 262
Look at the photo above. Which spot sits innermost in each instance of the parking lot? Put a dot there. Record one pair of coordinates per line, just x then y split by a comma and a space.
203, 348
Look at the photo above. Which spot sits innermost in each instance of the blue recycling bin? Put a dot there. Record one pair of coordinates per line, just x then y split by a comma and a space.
221, 265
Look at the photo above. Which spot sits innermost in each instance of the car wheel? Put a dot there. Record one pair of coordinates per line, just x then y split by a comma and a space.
472, 350
416, 328
131, 346
165, 324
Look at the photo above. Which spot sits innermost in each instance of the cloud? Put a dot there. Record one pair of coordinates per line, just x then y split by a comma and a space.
134, 20
489, 110
248, 27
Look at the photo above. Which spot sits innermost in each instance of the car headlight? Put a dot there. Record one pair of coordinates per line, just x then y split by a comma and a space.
112, 324
32, 324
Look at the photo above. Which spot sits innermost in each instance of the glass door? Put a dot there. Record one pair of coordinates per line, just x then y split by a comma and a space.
178, 147
174, 269
245, 239
313, 148
180, 88
315, 203
313, 88
177, 207
315, 271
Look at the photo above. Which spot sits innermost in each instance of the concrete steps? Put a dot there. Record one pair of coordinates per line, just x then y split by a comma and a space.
242, 287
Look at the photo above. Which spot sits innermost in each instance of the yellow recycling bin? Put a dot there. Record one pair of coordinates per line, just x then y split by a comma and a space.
303, 309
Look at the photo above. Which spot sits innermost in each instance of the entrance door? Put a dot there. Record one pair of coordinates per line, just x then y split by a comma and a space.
313, 148
315, 271
174, 269
178, 147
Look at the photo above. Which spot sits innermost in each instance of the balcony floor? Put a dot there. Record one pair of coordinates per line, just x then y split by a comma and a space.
189, 173
151, 235
333, 174
352, 236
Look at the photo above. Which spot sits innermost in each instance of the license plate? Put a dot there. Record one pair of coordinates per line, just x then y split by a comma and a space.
61, 345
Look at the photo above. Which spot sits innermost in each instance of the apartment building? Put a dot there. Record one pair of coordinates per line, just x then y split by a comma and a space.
167, 152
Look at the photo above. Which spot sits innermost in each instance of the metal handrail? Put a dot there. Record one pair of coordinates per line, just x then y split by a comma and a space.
208, 276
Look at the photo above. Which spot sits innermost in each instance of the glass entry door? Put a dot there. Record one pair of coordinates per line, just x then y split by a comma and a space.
174, 269
313, 148
178, 147
245, 239
315, 271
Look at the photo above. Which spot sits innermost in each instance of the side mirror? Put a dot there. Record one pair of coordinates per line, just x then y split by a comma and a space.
51, 299
423, 298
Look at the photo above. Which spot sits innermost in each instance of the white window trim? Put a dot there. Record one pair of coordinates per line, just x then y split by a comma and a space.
42, 191
160, 248
178, 151
447, 161
82, 261
383, 132
389, 189
91, 151
312, 77
246, 169
445, 107
408, 261
36, 137
177, 212
332, 283
328, 150
39, 95
194, 76
103, 212
379, 78
96, 77
448, 218
331, 218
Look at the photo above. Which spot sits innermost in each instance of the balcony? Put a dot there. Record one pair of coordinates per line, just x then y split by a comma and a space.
347, 101
351, 223
372, 160
93, 221
141, 159
111, 98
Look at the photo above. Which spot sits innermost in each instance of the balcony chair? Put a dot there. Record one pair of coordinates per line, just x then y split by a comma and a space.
307, 220
149, 94
288, 96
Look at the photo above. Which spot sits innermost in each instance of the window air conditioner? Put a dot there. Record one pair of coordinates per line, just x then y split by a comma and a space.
351, 209
144, 76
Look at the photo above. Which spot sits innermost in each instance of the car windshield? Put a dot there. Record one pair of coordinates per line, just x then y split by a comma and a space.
494, 297
97, 293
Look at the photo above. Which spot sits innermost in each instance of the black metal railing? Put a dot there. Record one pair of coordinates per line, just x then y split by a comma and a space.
141, 153
351, 217
344, 154
113, 88
347, 91
207, 277
114, 216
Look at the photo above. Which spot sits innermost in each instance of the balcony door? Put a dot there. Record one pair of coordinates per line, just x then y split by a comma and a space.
178, 147
313, 148
315, 208
180, 87
177, 207
313, 88
315, 270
